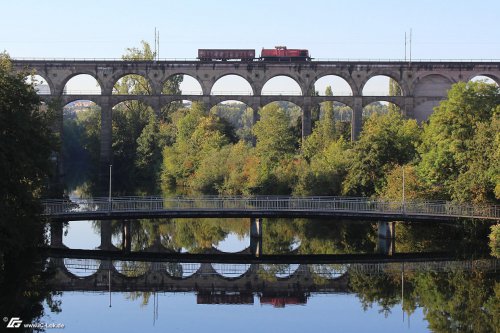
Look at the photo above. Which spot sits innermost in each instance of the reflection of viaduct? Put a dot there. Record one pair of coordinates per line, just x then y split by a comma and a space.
234, 283
423, 84
386, 239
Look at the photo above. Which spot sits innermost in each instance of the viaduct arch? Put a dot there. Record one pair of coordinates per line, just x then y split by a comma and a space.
424, 84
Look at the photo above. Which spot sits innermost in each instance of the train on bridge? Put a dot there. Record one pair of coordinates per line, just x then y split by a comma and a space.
278, 54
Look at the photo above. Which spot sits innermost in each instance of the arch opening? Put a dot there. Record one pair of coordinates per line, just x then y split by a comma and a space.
382, 85
132, 84
341, 114
293, 112
239, 116
39, 83
332, 85
380, 108
182, 84
82, 84
485, 79
136, 152
80, 142
232, 85
281, 85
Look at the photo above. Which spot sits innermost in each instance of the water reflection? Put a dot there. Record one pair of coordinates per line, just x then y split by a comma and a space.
454, 294
279, 236
439, 274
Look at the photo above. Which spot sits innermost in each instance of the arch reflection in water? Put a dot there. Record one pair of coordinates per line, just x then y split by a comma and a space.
330, 271
231, 270
281, 270
82, 267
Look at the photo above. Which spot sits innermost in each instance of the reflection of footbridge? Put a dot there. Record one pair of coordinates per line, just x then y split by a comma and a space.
243, 277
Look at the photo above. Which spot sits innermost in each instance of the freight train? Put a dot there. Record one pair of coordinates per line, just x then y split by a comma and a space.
279, 54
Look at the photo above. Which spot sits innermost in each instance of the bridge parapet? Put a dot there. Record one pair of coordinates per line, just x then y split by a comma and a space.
211, 206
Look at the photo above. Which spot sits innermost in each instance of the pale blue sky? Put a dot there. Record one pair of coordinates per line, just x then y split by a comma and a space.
356, 29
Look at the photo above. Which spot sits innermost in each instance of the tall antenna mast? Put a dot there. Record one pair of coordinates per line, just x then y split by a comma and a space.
405, 46
154, 54
158, 40
410, 45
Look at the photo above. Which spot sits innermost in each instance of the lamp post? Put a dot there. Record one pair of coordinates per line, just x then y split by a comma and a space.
109, 194
404, 199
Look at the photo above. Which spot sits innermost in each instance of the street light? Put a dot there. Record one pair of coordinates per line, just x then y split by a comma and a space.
110, 168
404, 199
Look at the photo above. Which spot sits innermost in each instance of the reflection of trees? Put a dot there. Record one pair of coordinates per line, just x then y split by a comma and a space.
452, 301
382, 289
464, 238
194, 235
281, 236
23, 289
457, 301
272, 272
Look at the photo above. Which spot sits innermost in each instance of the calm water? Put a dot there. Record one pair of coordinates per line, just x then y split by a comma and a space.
431, 278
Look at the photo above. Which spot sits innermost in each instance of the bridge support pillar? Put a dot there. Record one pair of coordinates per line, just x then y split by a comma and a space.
56, 235
126, 236
306, 121
357, 118
106, 234
256, 236
386, 237
408, 108
105, 157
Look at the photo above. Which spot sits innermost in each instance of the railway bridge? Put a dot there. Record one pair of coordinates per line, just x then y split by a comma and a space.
423, 84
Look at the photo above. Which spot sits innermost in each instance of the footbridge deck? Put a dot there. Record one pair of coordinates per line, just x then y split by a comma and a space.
263, 206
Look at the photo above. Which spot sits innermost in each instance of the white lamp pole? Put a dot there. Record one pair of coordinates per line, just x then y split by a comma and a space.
110, 168
404, 199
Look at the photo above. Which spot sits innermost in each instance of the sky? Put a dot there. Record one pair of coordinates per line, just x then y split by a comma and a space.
333, 29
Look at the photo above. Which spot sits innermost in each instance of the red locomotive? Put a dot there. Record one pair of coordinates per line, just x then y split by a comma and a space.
279, 53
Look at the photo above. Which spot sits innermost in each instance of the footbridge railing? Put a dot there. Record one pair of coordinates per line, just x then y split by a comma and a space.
266, 204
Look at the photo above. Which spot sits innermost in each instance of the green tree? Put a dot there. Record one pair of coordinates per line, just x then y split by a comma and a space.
199, 136
275, 140
324, 132
459, 151
140, 134
394, 90
26, 145
25, 150
386, 140
148, 159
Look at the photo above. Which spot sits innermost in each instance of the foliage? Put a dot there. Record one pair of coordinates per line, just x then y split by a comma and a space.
459, 148
198, 136
495, 240
394, 90
275, 140
386, 140
25, 152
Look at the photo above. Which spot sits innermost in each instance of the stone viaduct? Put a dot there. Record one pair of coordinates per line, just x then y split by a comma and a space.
423, 84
